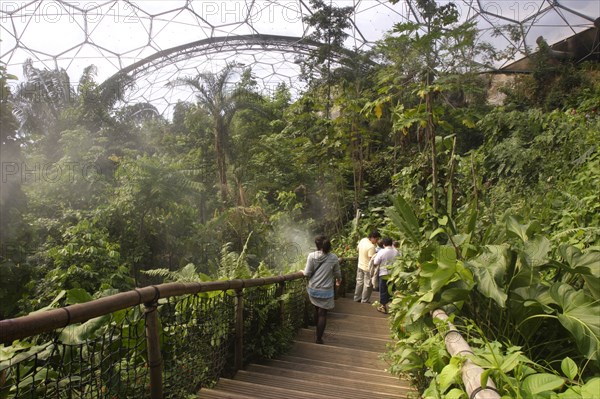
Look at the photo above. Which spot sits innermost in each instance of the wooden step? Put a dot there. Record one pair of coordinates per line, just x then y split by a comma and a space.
364, 325
348, 306
207, 393
244, 389
344, 367
328, 386
334, 369
337, 354
347, 366
340, 338
361, 381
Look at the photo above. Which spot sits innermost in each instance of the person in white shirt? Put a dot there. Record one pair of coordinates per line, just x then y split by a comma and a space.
382, 259
366, 250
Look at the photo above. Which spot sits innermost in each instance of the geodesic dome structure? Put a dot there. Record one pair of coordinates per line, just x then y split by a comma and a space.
158, 41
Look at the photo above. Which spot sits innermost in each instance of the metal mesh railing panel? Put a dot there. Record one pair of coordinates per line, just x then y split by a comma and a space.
348, 268
272, 315
197, 336
107, 357
262, 323
102, 358
295, 306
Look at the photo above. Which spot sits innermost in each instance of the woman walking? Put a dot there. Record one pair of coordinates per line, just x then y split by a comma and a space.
323, 270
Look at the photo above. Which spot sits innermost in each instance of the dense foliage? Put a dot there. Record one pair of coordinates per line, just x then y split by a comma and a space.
497, 207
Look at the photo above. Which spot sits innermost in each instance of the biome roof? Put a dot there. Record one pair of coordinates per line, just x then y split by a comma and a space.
159, 40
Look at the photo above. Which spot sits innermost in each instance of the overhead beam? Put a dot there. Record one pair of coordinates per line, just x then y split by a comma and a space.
172, 55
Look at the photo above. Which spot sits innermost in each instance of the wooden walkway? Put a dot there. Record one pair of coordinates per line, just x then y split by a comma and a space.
346, 366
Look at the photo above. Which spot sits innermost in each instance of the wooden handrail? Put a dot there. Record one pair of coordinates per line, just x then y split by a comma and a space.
45, 321
471, 373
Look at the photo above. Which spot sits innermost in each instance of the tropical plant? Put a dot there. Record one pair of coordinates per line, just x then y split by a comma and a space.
511, 283
431, 78
150, 210
328, 23
217, 96
83, 257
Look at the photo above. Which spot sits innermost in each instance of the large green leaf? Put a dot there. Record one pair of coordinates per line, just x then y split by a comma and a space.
523, 231
455, 393
52, 304
526, 302
407, 359
591, 389
580, 317
454, 295
489, 270
535, 251
450, 373
587, 265
491, 358
440, 272
542, 382
569, 368
75, 334
402, 215
77, 295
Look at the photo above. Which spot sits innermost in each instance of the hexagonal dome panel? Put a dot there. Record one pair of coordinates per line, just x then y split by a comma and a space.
160, 40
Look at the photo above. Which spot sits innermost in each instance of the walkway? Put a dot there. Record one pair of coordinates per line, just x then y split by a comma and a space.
347, 366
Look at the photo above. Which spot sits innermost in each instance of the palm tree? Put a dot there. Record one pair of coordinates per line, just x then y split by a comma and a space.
38, 101
221, 102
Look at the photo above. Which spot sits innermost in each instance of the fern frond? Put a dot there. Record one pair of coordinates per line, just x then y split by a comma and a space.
164, 273
594, 248
569, 232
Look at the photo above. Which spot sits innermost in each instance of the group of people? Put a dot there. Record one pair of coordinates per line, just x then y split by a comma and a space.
375, 254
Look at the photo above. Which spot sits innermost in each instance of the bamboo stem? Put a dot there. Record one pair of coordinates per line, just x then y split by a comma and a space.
471, 373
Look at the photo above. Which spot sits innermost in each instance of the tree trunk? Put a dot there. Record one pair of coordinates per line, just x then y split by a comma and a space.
431, 135
430, 127
357, 162
220, 159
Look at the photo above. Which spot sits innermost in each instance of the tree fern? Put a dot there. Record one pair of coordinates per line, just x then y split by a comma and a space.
234, 265
575, 230
186, 274
165, 274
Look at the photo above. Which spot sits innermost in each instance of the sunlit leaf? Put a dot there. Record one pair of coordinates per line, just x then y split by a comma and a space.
77, 295
542, 382
591, 389
569, 368
449, 374
378, 111
579, 315
489, 270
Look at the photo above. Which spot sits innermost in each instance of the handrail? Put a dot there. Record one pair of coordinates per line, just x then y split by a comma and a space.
55, 319
41, 322
471, 373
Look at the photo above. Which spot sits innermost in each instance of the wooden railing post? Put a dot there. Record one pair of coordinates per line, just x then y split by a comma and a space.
308, 310
279, 293
153, 347
239, 329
